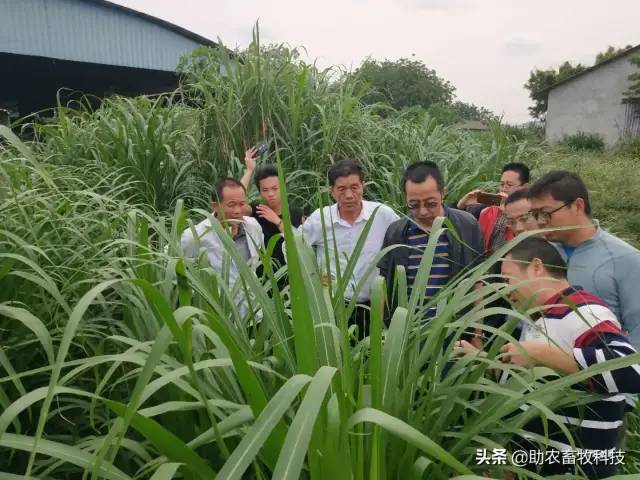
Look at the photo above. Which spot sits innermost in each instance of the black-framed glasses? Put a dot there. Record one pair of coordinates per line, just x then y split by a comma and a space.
544, 217
428, 204
525, 217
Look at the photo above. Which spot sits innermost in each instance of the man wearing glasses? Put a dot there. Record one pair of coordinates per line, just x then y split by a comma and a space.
423, 186
517, 210
598, 261
514, 176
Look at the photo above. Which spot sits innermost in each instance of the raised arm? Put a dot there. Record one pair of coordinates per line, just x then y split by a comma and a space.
250, 166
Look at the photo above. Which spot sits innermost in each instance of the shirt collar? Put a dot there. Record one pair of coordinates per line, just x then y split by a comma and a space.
365, 213
558, 297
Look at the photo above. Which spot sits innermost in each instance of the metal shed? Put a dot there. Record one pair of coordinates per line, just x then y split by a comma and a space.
93, 46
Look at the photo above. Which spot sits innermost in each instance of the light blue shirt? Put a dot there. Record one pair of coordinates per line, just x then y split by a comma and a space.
610, 268
346, 237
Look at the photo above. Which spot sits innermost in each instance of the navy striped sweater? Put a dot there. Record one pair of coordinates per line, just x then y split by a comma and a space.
440, 268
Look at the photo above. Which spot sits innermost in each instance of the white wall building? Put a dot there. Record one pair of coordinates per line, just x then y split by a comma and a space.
591, 102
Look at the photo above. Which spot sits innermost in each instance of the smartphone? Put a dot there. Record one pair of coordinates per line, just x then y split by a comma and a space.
262, 147
492, 199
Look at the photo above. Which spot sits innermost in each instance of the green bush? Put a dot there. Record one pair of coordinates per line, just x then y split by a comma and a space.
584, 141
630, 149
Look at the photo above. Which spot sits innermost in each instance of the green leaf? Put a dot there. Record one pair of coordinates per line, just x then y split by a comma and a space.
166, 471
296, 444
409, 434
63, 452
166, 442
256, 436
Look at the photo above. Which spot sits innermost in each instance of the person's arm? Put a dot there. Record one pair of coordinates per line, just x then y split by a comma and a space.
627, 269
530, 354
470, 198
475, 244
250, 166
384, 265
606, 342
487, 222
387, 269
264, 211
188, 244
605, 346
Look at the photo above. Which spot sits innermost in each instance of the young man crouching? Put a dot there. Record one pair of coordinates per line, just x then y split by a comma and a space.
573, 330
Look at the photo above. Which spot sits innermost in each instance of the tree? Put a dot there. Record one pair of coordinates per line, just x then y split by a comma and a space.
632, 95
469, 111
403, 83
541, 80
610, 53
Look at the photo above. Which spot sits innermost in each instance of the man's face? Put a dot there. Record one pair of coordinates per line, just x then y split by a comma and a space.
552, 213
424, 200
270, 191
510, 182
518, 217
232, 205
521, 274
347, 192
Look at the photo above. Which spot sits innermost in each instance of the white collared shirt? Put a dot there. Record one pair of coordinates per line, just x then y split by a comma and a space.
346, 237
209, 240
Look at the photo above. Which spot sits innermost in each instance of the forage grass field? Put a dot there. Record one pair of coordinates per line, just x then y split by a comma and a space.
120, 359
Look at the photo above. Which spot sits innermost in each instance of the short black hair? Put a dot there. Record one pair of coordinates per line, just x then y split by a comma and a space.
521, 169
216, 191
418, 172
563, 186
535, 247
520, 194
344, 168
264, 171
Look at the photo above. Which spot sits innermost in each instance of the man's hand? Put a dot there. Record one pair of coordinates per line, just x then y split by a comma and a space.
530, 354
517, 354
470, 198
462, 347
250, 163
250, 159
264, 211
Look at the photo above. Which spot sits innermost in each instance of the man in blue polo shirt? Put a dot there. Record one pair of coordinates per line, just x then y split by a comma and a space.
598, 261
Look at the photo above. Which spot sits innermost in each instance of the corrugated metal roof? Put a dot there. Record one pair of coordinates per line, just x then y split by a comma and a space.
92, 31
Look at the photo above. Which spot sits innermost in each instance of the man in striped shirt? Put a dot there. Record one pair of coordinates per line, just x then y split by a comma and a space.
440, 272
423, 186
572, 330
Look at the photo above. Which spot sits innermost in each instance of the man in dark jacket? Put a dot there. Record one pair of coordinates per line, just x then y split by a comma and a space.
423, 186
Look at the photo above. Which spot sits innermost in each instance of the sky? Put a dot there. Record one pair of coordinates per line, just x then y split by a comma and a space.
485, 48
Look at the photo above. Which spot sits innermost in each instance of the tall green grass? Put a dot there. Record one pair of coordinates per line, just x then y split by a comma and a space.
120, 359
174, 146
127, 361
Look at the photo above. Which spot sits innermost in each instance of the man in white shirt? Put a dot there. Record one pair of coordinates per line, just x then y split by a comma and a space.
344, 222
229, 204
